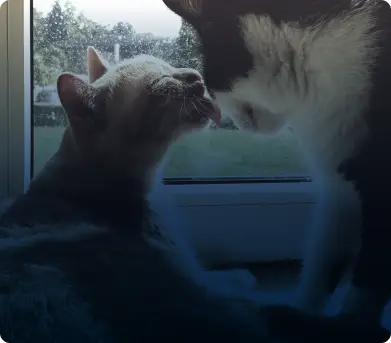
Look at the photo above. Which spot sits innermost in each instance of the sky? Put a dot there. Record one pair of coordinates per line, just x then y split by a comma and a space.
144, 15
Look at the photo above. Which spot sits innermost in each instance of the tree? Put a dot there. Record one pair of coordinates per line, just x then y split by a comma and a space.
122, 31
188, 43
56, 30
48, 60
123, 34
163, 48
39, 25
62, 36
48, 66
38, 45
69, 15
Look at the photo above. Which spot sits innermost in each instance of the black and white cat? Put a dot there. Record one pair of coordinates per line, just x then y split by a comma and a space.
324, 67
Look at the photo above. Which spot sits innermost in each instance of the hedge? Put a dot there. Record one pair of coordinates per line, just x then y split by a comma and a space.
52, 116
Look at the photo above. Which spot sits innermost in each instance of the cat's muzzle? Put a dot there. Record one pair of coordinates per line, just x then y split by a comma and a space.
196, 89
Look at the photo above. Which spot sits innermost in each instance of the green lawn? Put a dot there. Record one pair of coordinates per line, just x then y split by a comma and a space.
209, 153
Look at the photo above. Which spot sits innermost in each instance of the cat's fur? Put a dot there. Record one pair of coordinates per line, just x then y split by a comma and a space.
169, 219
323, 66
81, 260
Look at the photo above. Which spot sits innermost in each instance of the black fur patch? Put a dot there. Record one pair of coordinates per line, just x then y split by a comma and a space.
225, 55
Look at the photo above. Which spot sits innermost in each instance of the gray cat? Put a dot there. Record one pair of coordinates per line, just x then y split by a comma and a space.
323, 67
81, 258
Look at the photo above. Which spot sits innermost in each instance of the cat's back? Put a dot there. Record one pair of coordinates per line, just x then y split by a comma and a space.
39, 299
77, 282
38, 302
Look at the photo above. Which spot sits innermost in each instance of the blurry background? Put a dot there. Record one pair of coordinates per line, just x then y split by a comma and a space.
62, 31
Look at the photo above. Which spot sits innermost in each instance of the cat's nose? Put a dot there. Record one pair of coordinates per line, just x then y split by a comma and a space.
196, 89
193, 81
188, 77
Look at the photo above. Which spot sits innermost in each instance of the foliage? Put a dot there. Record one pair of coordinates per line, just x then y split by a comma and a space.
61, 38
188, 46
63, 35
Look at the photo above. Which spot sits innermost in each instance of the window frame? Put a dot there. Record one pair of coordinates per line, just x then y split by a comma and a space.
205, 203
4, 100
15, 119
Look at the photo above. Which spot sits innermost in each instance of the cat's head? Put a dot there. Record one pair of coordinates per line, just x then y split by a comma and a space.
229, 65
249, 54
126, 116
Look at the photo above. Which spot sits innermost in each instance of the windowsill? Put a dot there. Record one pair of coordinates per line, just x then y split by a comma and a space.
246, 223
244, 194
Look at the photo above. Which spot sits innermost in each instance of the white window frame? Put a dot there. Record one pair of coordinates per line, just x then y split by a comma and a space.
15, 89
227, 223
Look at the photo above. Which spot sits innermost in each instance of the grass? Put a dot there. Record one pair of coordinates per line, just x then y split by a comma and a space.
209, 153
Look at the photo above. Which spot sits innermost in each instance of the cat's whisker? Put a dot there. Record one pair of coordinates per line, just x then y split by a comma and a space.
180, 113
186, 109
207, 111
198, 110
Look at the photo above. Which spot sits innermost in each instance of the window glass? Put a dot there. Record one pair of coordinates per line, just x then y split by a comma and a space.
62, 31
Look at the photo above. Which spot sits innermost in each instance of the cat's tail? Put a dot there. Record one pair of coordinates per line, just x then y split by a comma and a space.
295, 325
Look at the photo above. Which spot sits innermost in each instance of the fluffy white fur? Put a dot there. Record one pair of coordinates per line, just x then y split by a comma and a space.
324, 104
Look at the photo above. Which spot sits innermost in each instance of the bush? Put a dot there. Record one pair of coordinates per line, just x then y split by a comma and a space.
50, 116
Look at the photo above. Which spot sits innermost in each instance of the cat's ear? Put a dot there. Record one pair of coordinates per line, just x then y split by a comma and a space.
187, 9
82, 102
97, 67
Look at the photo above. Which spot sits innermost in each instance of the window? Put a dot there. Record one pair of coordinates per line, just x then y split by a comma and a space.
63, 30
228, 220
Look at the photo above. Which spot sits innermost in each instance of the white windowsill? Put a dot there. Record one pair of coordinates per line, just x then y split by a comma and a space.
247, 222
244, 194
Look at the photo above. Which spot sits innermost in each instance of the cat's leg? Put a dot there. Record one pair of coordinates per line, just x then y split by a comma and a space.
257, 120
365, 302
171, 222
292, 325
370, 289
332, 245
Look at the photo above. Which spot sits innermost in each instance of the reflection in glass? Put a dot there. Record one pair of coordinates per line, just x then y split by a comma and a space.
62, 31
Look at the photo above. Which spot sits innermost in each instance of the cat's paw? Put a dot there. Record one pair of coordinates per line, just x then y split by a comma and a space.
293, 325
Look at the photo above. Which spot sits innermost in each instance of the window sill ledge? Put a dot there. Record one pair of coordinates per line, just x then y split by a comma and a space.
243, 194
246, 223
